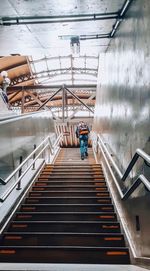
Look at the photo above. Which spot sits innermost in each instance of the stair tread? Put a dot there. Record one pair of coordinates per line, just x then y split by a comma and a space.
64, 186
70, 191
63, 198
82, 204
80, 235
70, 181
71, 176
79, 247
74, 213
62, 221
65, 233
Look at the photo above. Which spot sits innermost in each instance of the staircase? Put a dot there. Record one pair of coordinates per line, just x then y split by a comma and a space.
66, 217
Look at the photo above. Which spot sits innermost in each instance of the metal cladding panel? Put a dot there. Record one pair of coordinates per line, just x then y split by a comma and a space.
122, 111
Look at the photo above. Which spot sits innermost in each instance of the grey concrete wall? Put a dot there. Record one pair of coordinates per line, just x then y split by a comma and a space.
18, 136
122, 113
123, 95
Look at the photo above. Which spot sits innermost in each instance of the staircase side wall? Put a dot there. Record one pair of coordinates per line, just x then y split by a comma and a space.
18, 136
122, 113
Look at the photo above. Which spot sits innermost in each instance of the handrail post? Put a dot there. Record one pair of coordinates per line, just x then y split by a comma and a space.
20, 172
96, 144
2, 181
50, 145
34, 155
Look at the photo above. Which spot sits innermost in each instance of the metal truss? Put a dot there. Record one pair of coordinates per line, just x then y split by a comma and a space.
71, 69
20, 79
49, 87
73, 98
63, 57
56, 72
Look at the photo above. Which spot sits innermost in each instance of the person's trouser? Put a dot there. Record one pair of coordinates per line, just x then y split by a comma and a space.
83, 144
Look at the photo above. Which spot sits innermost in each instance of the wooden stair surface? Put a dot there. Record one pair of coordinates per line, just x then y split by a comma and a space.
66, 217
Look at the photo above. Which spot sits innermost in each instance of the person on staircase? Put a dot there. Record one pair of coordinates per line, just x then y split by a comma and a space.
82, 133
3, 90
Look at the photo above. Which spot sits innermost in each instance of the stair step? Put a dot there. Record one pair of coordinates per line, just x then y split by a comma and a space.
73, 171
76, 166
68, 200
67, 207
65, 226
67, 254
68, 183
62, 239
75, 188
68, 216
68, 193
70, 176
68, 173
73, 179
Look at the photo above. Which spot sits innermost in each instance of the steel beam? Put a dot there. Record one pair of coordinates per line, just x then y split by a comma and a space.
62, 57
49, 99
36, 99
76, 97
36, 87
78, 109
71, 68
93, 37
19, 20
121, 16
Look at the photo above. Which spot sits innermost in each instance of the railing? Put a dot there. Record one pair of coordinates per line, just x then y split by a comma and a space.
41, 148
10, 118
98, 143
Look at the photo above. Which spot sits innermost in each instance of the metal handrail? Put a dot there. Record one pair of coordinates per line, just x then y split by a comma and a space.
7, 193
138, 153
140, 179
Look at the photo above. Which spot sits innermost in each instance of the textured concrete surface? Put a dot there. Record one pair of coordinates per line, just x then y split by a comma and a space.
123, 108
44, 39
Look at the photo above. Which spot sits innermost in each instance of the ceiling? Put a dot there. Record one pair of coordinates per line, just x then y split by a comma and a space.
41, 39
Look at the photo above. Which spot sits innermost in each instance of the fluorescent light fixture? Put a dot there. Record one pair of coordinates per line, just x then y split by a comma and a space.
124, 8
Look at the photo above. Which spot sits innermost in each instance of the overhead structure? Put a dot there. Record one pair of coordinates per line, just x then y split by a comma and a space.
63, 101
46, 19
34, 81
65, 70
50, 36
46, 28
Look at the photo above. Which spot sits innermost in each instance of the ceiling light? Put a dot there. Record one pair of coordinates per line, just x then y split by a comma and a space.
75, 45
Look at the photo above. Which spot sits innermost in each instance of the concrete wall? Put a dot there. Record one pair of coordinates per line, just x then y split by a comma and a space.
122, 112
18, 136
123, 95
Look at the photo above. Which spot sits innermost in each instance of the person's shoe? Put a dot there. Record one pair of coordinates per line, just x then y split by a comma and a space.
86, 153
82, 157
